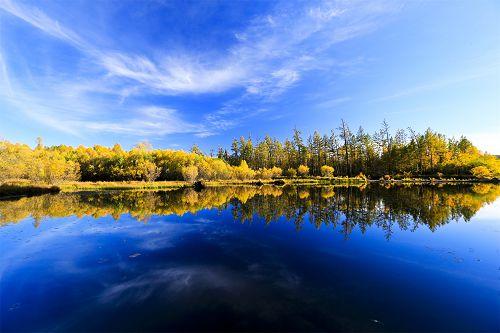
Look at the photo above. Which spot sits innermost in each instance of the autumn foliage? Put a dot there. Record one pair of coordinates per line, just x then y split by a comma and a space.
405, 154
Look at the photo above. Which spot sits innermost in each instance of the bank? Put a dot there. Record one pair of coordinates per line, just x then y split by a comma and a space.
26, 188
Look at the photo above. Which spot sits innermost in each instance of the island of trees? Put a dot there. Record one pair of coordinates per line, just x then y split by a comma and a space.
403, 154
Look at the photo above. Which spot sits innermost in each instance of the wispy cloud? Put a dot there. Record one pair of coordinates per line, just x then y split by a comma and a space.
62, 115
148, 121
40, 20
331, 103
269, 57
270, 54
440, 83
5, 80
66, 107
281, 47
171, 74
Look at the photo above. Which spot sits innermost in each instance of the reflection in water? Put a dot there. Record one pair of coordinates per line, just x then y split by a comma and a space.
340, 207
188, 267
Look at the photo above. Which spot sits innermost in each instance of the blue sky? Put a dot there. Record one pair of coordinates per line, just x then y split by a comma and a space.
179, 73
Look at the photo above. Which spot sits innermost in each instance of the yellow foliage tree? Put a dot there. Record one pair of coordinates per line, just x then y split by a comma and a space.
481, 172
243, 172
190, 173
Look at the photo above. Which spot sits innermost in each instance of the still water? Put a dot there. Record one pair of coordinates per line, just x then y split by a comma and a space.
421, 258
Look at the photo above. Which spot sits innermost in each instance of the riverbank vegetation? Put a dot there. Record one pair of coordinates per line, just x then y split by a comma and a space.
404, 154
20, 188
24, 187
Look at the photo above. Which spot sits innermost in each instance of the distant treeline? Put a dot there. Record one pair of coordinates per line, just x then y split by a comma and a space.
403, 154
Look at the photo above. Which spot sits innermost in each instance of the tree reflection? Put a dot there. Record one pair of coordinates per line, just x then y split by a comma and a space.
342, 208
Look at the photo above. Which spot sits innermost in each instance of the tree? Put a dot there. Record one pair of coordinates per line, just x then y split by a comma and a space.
345, 134
416, 155
300, 149
190, 173
196, 150
150, 171
39, 143
235, 157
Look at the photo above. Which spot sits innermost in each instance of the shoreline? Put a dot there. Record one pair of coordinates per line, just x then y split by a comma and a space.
24, 188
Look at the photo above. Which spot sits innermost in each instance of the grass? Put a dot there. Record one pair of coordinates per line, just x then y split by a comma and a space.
133, 185
24, 187
126, 185
17, 189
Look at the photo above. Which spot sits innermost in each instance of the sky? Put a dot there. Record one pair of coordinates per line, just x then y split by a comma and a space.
203, 72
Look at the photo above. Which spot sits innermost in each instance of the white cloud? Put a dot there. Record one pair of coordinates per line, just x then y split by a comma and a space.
273, 40
38, 19
325, 14
270, 56
149, 121
72, 112
174, 75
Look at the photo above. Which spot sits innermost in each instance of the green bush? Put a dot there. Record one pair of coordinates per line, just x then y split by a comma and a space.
291, 172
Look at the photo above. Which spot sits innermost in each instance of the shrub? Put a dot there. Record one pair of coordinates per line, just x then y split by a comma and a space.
276, 172
481, 172
303, 170
243, 172
387, 177
291, 172
481, 188
264, 173
327, 171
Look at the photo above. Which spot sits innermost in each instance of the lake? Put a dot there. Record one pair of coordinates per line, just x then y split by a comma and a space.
375, 258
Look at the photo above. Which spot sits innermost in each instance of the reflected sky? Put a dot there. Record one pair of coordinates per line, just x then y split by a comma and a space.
205, 269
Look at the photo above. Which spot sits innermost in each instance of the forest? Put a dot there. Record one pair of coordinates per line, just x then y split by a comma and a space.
403, 154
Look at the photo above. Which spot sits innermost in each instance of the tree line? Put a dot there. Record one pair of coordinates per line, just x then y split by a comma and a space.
344, 152
403, 154
98, 163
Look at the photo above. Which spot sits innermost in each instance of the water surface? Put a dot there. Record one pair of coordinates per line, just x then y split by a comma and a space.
421, 258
